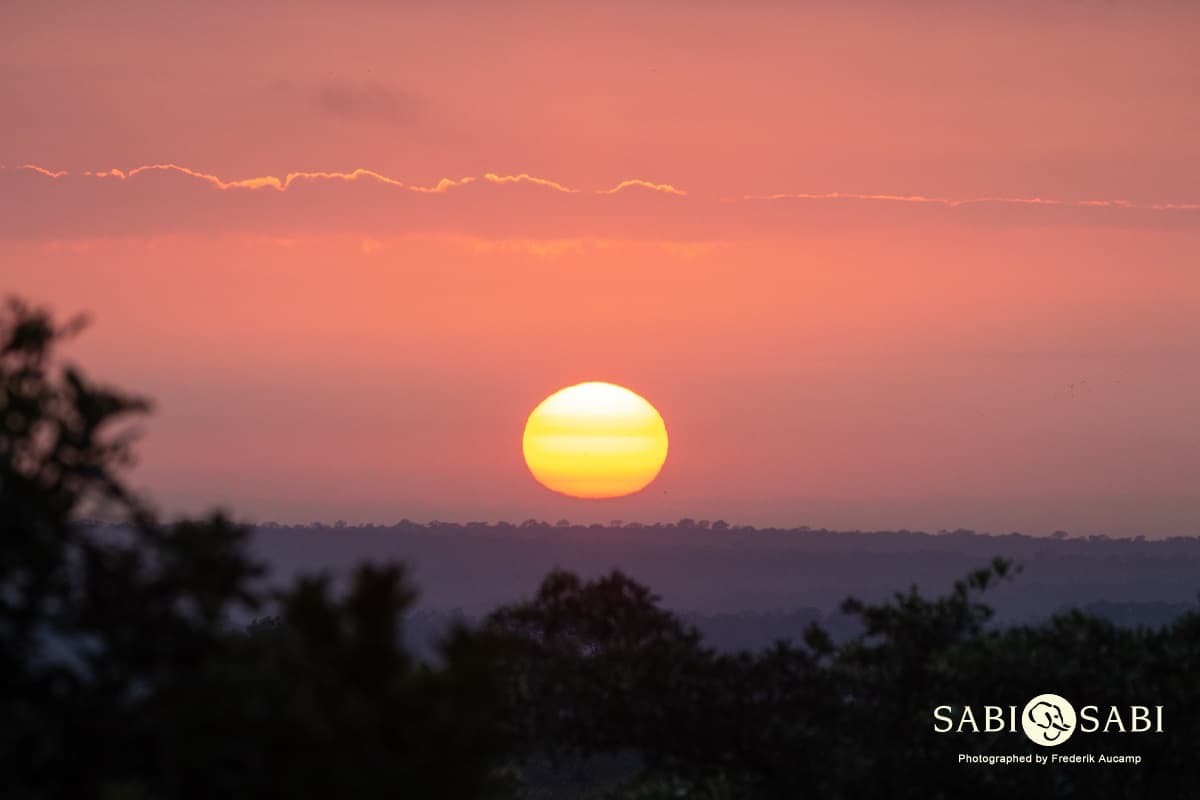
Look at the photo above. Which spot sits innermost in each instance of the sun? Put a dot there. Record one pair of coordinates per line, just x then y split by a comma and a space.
595, 440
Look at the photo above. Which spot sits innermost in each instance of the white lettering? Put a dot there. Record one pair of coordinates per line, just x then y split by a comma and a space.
993, 719
1089, 722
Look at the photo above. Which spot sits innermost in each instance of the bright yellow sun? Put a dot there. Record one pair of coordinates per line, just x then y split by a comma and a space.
595, 440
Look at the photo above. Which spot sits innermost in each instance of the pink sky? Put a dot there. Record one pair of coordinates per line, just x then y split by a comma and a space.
928, 268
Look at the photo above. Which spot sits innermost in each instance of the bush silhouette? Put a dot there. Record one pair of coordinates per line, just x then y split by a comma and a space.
123, 672
848, 721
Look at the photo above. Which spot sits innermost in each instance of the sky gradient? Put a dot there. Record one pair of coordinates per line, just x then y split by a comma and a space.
877, 268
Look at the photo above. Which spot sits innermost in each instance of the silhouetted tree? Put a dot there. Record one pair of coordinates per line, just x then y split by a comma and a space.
600, 668
596, 666
123, 672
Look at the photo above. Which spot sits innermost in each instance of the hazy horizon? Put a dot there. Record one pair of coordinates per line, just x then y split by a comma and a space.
883, 519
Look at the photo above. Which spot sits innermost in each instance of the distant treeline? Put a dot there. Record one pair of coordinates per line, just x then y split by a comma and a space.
691, 525
708, 568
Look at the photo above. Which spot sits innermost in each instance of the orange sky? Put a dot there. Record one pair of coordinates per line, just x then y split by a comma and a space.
930, 268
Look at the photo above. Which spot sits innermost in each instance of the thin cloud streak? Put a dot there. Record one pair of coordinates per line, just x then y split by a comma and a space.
666, 188
950, 202
44, 171
446, 184
264, 182
282, 184
40, 202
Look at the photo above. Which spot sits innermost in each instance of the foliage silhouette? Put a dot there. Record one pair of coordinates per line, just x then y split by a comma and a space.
123, 673
846, 720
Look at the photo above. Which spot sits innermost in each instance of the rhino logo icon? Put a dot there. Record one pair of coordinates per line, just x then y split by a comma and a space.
1048, 720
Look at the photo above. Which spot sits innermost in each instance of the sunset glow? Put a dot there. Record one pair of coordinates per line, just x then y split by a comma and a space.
933, 269
595, 440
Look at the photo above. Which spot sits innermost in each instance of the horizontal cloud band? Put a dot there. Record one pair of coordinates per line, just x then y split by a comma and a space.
168, 198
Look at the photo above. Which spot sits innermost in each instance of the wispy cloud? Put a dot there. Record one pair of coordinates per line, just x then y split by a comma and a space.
262, 182
666, 188
44, 171
490, 177
42, 202
284, 182
950, 202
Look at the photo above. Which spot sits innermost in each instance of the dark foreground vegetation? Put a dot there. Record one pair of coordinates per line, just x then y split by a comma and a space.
125, 673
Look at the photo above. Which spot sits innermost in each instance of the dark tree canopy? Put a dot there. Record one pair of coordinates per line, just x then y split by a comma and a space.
812, 718
123, 672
